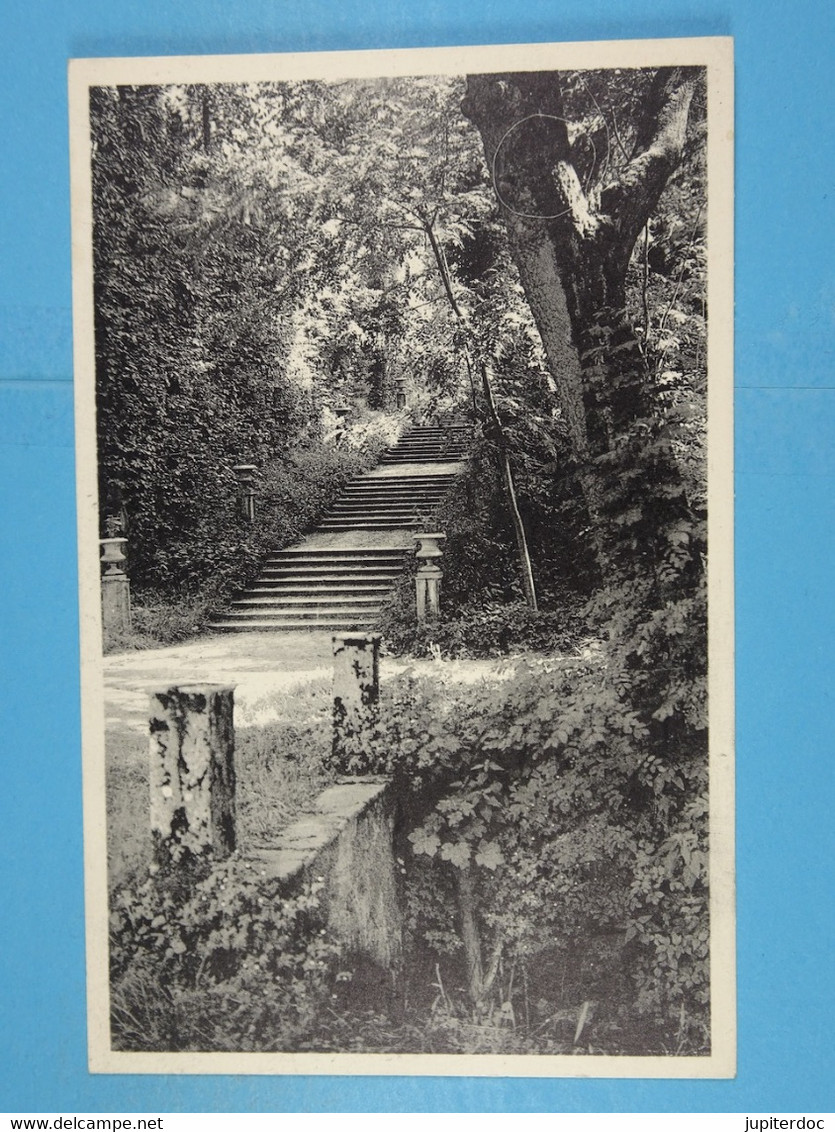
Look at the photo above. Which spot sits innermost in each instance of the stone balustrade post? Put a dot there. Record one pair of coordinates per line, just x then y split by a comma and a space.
115, 587
356, 694
245, 475
428, 576
341, 413
192, 772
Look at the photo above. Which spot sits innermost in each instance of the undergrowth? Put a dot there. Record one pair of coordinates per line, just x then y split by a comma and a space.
480, 628
587, 891
195, 570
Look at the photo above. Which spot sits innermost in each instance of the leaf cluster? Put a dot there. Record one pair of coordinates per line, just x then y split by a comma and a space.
217, 960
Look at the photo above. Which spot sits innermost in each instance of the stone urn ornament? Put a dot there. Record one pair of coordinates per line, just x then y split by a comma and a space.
115, 587
428, 577
113, 556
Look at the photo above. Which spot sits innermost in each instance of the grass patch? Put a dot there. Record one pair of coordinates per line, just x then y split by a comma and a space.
161, 622
128, 805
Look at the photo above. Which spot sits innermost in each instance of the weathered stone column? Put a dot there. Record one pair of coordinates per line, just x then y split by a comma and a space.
192, 772
245, 474
356, 694
115, 587
341, 414
428, 577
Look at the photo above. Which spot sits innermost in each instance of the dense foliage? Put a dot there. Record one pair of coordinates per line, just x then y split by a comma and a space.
555, 871
216, 962
260, 260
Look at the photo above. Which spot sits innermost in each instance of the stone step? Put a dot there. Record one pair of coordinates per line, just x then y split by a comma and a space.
381, 495
405, 503
441, 439
398, 458
326, 600
352, 552
429, 449
349, 566
346, 566
430, 432
288, 624
395, 495
275, 575
306, 613
406, 479
382, 512
430, 443
397, 485
397, 490
429, 446
280, 586
368, 520
368, 524
357, 518
278, 593
354, 518
324, 574
327, 557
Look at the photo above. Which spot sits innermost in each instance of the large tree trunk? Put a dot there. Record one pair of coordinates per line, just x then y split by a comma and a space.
479, 981
572, 253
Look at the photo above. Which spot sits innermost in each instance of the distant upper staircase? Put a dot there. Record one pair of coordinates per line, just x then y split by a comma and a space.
341, 575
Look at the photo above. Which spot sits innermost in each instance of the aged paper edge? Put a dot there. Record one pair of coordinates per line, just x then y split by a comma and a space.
717, 55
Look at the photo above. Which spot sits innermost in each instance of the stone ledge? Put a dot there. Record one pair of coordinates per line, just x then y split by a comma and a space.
346, 840
296, 846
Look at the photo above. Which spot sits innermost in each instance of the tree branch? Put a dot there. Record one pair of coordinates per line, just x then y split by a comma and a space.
630, 200
504, 459
521, 119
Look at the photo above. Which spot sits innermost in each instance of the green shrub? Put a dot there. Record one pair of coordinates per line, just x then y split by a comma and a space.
583, 849
217, 960
190, 570
483, 631
586, 859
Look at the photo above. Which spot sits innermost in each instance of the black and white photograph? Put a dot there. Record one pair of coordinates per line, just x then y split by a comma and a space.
403, 409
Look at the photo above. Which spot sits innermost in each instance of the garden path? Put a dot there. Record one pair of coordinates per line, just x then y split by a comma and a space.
259, 664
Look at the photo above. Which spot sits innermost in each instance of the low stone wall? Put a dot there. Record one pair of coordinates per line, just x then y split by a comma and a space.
346, 838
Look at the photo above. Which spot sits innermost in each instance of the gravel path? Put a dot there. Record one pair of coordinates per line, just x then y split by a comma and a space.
259, 664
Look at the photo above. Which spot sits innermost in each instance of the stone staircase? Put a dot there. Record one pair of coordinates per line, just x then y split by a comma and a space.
340, 576
429, 445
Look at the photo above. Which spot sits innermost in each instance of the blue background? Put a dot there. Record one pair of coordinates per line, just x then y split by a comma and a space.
785, 461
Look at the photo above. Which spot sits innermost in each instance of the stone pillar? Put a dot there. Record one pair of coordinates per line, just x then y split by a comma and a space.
341, 414
400, 393
115, 587
245, 474
428, 577
192, 772
356, 693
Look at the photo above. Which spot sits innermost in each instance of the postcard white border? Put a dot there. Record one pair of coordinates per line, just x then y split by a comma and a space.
717, 55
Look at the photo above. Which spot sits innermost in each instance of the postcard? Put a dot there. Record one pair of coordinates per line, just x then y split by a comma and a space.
403, 390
